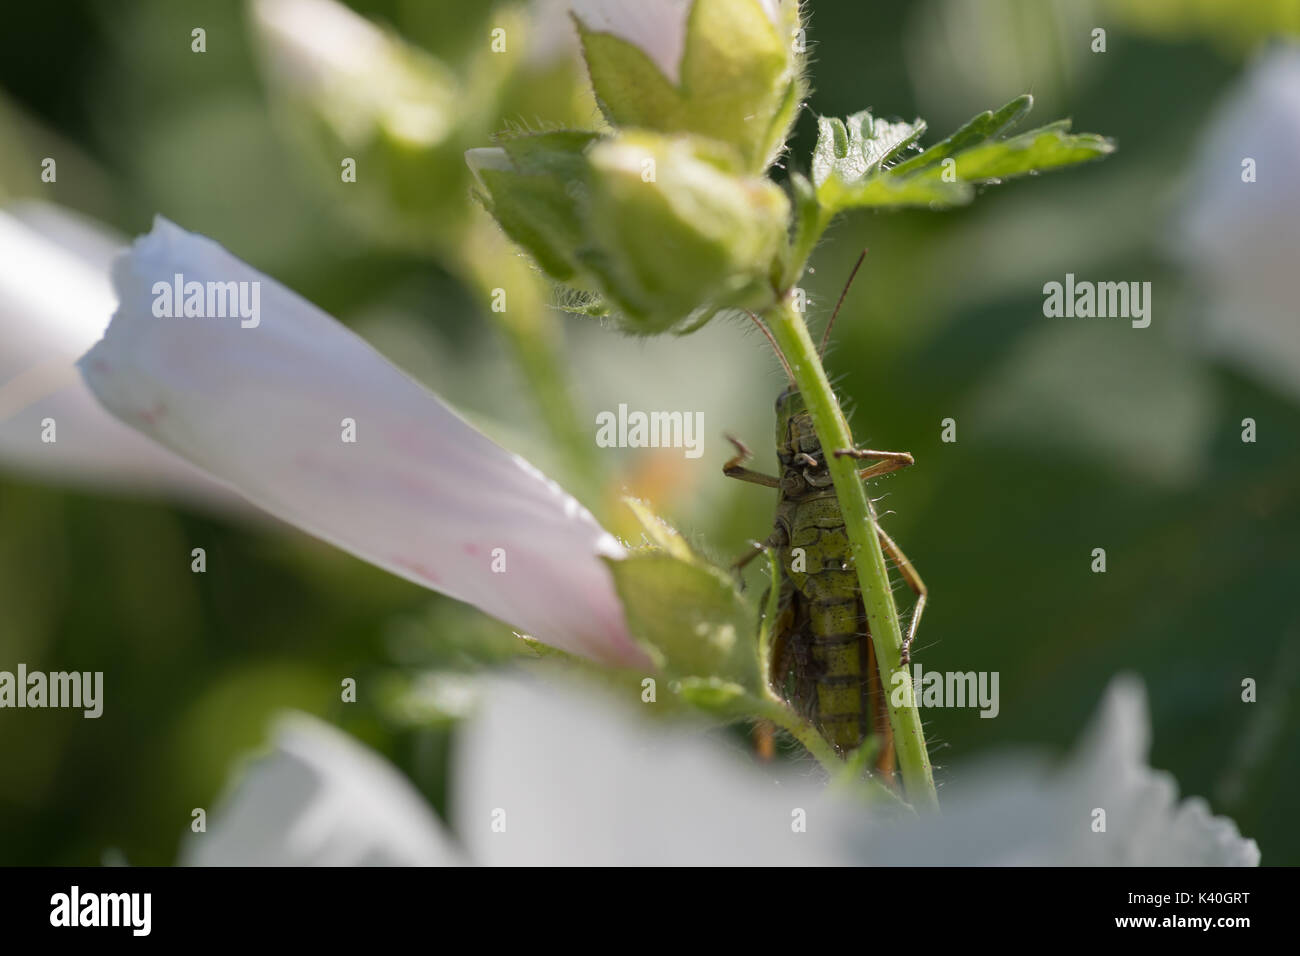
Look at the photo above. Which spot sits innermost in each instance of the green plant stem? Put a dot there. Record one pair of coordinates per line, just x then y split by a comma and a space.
805, 733
859, 518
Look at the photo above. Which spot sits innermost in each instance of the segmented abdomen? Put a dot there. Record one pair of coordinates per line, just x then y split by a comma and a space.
827, 661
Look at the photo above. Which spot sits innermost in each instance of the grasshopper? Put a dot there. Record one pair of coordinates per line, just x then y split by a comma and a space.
823, 663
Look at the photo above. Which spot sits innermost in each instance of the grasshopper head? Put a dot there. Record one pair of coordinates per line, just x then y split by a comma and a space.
794, 428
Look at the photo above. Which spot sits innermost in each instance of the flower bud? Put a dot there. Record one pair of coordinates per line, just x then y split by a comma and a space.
728, 69
665, 229
677, 232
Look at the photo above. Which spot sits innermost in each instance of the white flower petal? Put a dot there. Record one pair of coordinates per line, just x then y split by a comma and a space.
419, 493
560, 775
321, 799
1020, 812
55, 301
582, 781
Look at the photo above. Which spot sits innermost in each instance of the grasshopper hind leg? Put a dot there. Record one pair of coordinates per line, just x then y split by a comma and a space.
914, 583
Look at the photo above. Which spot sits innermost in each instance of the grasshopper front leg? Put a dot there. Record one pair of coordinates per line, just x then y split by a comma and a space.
733, 469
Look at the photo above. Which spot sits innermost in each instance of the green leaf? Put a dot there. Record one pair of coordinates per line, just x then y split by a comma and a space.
984, 126
1049, 147
853, 150
686, 611
851, 163
690, 613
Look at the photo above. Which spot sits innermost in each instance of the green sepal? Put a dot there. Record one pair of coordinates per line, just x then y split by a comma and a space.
532, 186
740, 80
685, 611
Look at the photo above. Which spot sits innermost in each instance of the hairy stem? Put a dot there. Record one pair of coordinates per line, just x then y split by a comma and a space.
860, 521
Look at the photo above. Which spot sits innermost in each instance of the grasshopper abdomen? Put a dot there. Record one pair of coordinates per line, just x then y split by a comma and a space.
823, 661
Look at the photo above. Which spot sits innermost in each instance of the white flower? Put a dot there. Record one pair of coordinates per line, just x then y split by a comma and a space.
55, 301
1021, 810
307, 421
658, 27
1240, 238
556, 776
321, 799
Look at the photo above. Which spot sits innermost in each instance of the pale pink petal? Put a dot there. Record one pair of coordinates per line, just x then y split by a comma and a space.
262, 405
55, 302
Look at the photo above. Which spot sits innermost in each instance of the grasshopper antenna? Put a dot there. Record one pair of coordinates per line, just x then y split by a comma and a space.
768, 334
826, 336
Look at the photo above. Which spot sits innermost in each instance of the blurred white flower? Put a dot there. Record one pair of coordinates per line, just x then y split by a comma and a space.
307, 421
658, 27
321, 799
55, 301
572, 779
1238, 238
1020, 810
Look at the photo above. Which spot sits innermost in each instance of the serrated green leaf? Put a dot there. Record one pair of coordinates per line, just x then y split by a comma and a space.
855, 149
980, 128
851, 161
1039, 150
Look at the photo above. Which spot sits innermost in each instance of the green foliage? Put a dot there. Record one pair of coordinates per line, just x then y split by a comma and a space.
666, 229
686, 612
857, 162
526, 188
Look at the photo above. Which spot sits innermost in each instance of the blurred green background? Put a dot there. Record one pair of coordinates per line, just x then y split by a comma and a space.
1071, 435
